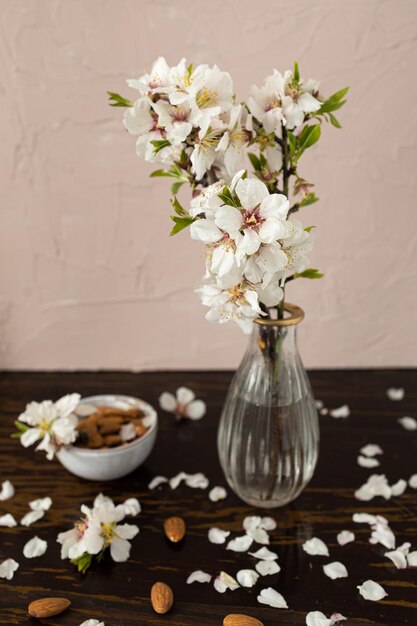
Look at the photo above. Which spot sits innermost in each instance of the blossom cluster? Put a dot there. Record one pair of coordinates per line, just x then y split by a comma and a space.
52, 423
251, 245
99, 529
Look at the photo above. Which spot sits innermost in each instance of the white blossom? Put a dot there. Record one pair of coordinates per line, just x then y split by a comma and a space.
183, 404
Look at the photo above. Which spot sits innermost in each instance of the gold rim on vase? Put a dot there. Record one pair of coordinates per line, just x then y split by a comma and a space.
296, 315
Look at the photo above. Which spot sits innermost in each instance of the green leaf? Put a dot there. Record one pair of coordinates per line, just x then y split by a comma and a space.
308, 137
310, 199
339, 95
227, 197
292, 140
309, 273
256, 163
178, 208
21, 427
116, 100
83, 562
296, 73
190, 70
180, 223
176, 186
159, 144
16, 435
334, 102
309, 229
162, 173
335, 121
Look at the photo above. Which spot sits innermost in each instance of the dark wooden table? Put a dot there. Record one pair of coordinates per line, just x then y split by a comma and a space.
119, 593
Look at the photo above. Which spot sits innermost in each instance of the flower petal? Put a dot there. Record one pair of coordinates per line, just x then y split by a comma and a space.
156, 481
370, 590
315, 546
409, 423
35, 547
267, 568
131, 507
344, 537
247, 578
120, 550
205, 230
195, 410
229, 219
317, 618
394, 393
371, 449
240, 544
32, 517
127, 531
365, 461
167, 401
8, 520
259, 535
127, 432
8, 568
398, 558
217, 493
184, 395
7, 491
251, 192
264, 554
217, 535
196, 481
412, 481
335, 570
41, 504
198, 577
29, 437
341, 412
273, 598
224, 581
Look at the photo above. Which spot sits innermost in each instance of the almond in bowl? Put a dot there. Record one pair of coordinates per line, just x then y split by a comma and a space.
116, 435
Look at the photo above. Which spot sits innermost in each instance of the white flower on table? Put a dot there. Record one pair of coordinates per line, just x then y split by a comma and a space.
183, 404
8, 568
53, 423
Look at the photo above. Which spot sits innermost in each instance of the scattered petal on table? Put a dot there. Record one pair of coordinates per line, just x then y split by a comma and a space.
196, 481
259, 535
409, 423
156, 481
8, 520
34, 547
317, 618
176, 480
395, 393
365, 461
398, 558
264, 554
41, 504
252, 521
131, 507
344, 537
217, 493
341, 412
198, 577
224, 581
363, 518
247, 577
268, 523
7, 491
337, 617
217, 535
412, 481
92, 622
376, 485
399, 487
412, 559
315, 546
319, 404
371, 449
370, 590
196, 410
8, 568
324, 411
335, 570
267, 568
240, 544
273, 598
383, 534
31, 517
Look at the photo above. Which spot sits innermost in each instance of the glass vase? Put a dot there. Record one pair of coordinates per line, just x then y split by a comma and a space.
268, 437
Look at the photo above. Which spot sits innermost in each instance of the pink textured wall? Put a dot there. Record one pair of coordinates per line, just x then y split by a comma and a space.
90, 278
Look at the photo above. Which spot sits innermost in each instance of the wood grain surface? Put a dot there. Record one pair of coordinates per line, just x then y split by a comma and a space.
118, 594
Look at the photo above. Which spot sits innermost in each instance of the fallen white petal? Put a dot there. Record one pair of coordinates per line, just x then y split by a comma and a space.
398, 558
365, 461
252, 521
383, 535
195, 410
412, 559
335, 570
176, 480
167, 401
31, 517
376, 485
240, 544
217, 493
127, 432
317, 618
259, 535
92, 622
413, 481
399, 487
324, 411
341, 412
315, 546
394, 393
337, 617
264, 554
363, 518
7, 490
344, 537
34, 547
267, 568
268, 523
224, 581
131, 507
155, 482
409, 423
41, 504
196, 481
198, 577
319, 404
8, 520
270, 597
8, 568
370, 590
247, 577
371, 449
217, 535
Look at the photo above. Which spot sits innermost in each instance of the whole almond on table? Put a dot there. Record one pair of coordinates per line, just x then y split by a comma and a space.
48, 607
235, 619
162, 598
174, 528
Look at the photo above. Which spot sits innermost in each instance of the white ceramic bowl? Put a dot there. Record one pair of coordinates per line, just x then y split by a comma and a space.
112, 463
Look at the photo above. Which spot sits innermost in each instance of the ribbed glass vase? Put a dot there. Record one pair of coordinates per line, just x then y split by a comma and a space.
268, 437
